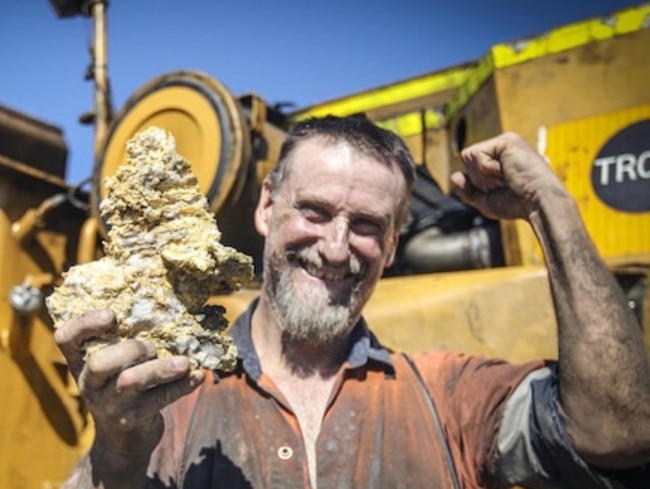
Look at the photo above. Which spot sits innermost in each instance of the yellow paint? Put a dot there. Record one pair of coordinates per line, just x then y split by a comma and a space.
555, 41
42, 423
388, 95
572, 147
571, 36
413, 122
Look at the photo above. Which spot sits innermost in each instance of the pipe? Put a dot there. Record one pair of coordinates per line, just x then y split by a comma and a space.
24, 228
100, 73
431, 251
87, 248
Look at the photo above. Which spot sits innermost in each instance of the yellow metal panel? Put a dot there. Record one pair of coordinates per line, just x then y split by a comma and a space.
474, 81
571, 36
42, 424
388, 95
555, 41
572, 148
413, 122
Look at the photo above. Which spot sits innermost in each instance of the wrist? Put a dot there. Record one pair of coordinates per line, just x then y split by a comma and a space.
119, 459
555, 208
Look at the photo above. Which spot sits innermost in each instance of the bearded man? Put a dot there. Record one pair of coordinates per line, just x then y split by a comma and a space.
316, 401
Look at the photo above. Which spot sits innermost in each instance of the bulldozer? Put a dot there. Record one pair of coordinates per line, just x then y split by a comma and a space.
578, 93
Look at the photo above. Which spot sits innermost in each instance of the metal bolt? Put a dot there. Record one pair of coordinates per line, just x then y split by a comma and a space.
25, 299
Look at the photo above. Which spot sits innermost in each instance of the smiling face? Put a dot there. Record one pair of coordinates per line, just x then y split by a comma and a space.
330, 231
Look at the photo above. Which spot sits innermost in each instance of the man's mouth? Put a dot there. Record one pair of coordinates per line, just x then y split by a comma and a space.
324, 273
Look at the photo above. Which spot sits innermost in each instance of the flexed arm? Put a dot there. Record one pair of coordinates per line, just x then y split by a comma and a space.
604, 373
124, 387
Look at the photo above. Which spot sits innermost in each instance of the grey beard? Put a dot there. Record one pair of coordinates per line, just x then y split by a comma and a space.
307, 319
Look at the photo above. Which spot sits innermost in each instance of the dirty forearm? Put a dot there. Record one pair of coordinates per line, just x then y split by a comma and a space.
89, 474
105, 467
604, 370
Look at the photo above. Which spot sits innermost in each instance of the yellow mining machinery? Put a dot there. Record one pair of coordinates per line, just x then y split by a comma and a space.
579, 93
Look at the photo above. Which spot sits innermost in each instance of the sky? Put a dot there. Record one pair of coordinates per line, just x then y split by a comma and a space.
299, 52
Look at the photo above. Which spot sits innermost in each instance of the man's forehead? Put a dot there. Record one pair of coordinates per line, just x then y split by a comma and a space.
314, 148
324, 168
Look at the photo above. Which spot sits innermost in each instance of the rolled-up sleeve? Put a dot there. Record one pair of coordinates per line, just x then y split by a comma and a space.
534, 449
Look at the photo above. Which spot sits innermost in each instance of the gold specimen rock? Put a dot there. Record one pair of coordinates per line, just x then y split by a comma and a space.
163, 260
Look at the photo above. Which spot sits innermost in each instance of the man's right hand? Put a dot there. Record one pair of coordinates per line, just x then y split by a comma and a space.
124, 387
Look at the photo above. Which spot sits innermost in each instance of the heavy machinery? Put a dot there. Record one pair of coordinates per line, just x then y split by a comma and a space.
579, 93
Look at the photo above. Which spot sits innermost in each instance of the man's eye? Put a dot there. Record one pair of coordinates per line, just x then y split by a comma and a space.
315, 214
366, 227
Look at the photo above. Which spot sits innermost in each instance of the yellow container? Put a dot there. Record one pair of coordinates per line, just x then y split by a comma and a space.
567, 91
605, 163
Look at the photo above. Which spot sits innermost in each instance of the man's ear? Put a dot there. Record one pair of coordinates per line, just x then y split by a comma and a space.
264, 209
390, 257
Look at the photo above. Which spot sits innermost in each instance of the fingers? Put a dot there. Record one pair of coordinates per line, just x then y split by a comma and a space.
143, 377
472, 196
467, 191
149, 402
106, 363
125, 369
483, 164
460, 181
125, 386
71, 336
505, 177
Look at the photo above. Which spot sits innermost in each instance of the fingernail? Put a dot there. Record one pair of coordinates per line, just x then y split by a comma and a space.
180, 363
104, 315
151, 349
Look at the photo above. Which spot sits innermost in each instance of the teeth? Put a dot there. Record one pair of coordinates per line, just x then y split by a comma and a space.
322, 274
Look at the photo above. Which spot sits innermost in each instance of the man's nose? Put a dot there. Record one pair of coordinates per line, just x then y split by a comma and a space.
336, 241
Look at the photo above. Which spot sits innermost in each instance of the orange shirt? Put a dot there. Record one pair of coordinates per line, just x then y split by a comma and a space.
239, 431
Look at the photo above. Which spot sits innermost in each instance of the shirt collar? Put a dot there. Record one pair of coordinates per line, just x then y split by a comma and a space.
365, 346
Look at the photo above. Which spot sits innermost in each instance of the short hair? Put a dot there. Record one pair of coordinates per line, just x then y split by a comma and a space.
362, 135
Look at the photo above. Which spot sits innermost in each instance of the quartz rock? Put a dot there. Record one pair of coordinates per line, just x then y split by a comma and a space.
163, 260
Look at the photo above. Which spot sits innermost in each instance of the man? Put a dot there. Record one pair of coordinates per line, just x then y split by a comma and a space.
316, 401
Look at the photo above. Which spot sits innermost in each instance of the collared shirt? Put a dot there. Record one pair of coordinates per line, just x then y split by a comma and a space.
238, 431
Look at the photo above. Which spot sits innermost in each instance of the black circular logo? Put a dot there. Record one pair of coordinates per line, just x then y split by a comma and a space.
620, 174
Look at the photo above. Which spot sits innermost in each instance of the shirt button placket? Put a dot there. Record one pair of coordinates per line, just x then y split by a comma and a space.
287, 471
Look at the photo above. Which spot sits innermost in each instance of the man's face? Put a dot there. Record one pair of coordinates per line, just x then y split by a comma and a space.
330, 230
